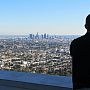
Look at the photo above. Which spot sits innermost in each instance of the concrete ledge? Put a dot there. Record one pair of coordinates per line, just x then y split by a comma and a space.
32, 81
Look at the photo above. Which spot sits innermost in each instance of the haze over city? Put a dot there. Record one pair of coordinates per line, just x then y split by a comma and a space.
66, 17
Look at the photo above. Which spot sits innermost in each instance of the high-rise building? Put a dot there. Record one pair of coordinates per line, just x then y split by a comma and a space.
42, 36
37, 36
45, 35
30, 36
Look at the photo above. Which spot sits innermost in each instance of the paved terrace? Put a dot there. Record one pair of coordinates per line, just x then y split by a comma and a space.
11, 80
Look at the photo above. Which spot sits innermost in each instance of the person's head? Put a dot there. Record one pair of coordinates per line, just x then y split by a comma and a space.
87, 24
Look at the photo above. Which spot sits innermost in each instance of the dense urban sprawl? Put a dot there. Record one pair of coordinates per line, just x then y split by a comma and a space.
37, 54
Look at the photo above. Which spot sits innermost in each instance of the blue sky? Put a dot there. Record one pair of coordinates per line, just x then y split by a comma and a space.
43, 16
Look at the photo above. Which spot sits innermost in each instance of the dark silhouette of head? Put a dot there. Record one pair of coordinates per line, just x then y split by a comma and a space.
87, 25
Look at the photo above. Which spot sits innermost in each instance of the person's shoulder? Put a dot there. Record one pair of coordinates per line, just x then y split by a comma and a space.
77, 40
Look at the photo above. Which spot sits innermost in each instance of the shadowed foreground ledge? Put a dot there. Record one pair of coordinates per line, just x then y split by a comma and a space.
11, 80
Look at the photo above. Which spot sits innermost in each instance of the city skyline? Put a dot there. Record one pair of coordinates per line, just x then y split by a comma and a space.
36, 54
22, 17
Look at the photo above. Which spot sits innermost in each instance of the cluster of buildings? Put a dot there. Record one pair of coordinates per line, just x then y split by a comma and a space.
37, 36
37, 55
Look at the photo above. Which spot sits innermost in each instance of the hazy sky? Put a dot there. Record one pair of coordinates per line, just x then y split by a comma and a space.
43, 16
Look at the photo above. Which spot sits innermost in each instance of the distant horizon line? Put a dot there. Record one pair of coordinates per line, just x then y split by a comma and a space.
35, 34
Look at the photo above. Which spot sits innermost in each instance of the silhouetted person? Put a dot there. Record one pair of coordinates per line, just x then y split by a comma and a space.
80, 52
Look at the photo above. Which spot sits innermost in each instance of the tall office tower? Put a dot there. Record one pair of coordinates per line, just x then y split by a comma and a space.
37, 36
45, 36
33, 36
42, 36
30, 36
